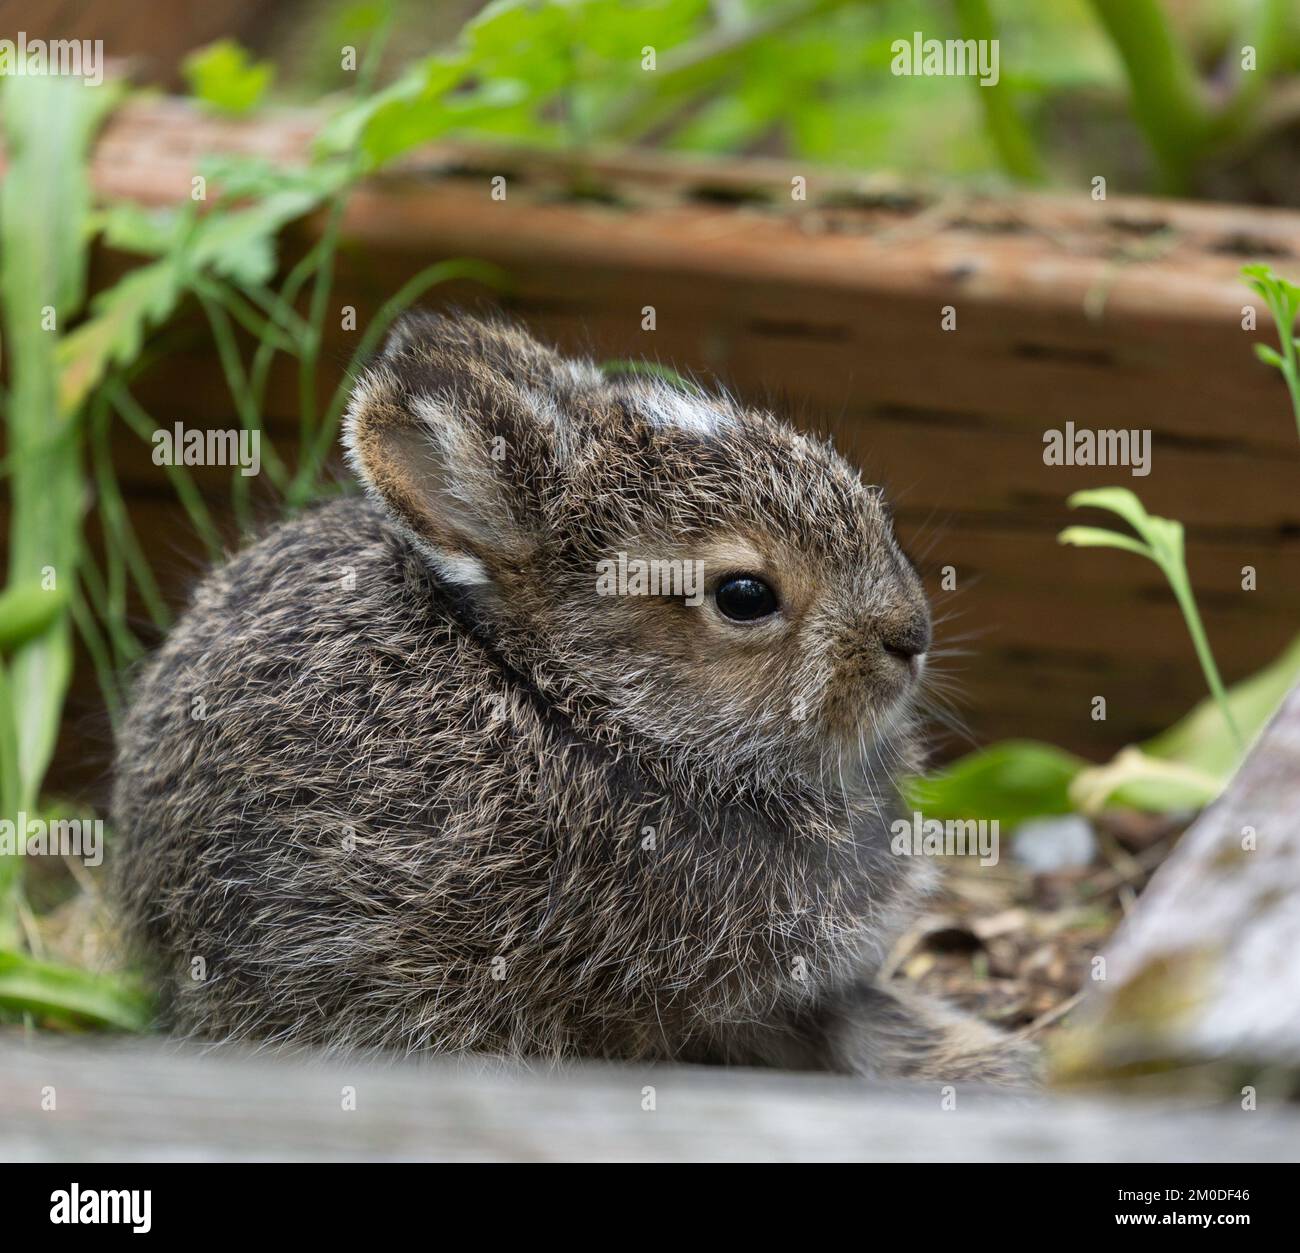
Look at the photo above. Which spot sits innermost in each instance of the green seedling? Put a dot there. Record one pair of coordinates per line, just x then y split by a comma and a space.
1283, 300
1160, 540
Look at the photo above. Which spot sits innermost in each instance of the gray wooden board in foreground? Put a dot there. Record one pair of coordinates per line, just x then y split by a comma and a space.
148, 1102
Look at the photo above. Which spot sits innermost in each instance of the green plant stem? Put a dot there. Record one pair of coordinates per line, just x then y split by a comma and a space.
1291, 373
261, 328
1162, 543
237, 382
1187, 603
1166, 94
264, 356
323, 281
322, 284
1290, 367
249, 413
187, 492
115, 519
108, 602
100, 597
286, 317
1006, 127
100, 658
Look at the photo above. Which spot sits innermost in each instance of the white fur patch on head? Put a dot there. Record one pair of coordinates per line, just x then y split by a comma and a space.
668, 408
581, 374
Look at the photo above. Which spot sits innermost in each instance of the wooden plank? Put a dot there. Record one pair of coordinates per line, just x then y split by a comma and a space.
923, 456
148, 1103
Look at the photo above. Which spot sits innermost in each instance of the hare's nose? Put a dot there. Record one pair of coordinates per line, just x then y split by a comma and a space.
906, 638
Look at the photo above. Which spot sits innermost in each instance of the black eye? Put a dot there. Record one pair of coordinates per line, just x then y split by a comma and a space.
745, 598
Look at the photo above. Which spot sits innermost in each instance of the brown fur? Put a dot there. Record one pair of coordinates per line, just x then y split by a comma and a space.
445, 797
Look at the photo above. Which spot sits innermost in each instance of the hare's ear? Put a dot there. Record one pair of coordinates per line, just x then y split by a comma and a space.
453, 430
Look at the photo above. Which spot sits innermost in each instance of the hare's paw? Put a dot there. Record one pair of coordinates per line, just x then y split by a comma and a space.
895, 1033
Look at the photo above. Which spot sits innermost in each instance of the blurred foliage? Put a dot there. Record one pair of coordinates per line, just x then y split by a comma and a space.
70, 997
810, 77
1009, 782
49, 124
44, 203
27, 612
1085, 86
224, 77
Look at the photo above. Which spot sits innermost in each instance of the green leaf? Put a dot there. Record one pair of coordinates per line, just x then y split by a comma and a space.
114, 334
1283, 300
26, 612
224, 77
241, 246
1134, 780
1163, 535
77, 996
129, 227
1280, 293
49, 124
244, 176
237, 245
1099, 537
1010, 781
1118, 500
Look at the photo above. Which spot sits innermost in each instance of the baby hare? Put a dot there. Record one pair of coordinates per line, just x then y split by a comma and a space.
577, 736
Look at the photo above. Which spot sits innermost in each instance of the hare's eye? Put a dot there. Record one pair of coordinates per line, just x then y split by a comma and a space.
745, 598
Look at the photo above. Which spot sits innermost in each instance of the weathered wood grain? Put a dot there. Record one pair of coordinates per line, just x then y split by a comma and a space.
147, 1103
